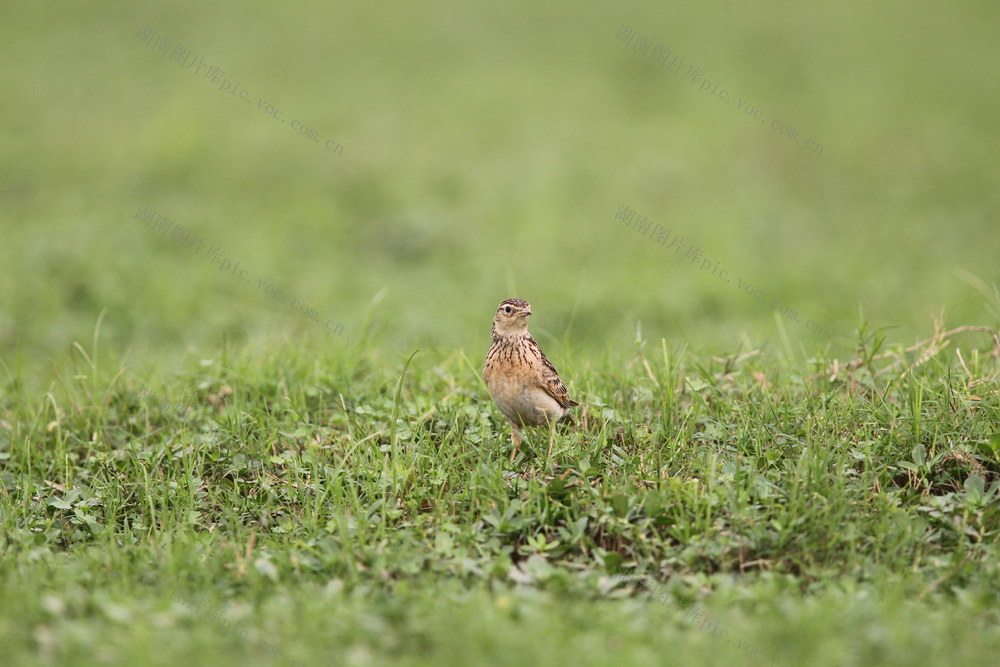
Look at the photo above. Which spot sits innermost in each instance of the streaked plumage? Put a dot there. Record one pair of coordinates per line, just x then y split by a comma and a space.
522, 381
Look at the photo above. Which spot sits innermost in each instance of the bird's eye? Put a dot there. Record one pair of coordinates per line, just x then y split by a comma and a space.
506, 309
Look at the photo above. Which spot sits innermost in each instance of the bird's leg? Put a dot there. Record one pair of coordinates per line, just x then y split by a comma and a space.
515, 439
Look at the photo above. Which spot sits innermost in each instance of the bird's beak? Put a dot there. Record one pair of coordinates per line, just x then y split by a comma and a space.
526, 311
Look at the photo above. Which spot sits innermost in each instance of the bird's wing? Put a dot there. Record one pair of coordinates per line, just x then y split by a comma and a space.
551, 383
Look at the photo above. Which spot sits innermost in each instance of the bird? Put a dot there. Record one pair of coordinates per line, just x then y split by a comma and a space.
521, 380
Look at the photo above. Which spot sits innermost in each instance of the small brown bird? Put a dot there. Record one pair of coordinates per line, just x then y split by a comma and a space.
523, 383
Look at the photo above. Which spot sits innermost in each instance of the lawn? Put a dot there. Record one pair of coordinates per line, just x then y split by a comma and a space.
249, 259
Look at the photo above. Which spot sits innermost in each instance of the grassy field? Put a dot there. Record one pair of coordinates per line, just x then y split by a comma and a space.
248, 263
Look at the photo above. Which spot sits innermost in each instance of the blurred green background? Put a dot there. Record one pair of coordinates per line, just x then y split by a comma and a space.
486, 150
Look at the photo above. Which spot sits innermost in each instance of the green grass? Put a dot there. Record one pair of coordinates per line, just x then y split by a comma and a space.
195, 466
788, 518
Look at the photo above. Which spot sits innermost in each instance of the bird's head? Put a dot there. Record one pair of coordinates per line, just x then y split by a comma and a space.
511, 318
